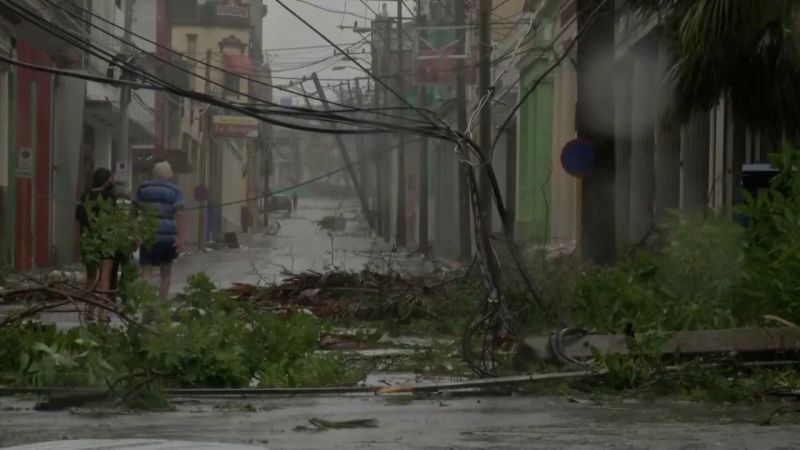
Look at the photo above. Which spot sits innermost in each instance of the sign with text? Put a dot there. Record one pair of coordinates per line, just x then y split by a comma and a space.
235, 126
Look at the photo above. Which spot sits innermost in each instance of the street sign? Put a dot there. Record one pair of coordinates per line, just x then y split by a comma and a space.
201, 193
25, 162
577, 157
235, 126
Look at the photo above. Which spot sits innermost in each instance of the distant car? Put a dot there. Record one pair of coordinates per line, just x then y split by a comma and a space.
278, 203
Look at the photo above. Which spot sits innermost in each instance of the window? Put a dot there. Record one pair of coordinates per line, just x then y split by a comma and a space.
191, 45
231, 83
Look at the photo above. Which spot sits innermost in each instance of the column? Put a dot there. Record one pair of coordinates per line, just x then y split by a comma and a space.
642, 145
694, 163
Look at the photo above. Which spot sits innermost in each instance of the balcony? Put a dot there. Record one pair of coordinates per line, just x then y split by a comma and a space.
226, 13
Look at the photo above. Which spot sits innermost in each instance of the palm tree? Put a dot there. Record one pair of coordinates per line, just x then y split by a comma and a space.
747, 51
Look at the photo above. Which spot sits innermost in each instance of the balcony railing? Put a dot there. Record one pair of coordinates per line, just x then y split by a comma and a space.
233, 10
220, 13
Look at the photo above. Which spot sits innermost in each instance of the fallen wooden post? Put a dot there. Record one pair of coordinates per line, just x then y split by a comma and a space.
508, 381
740, 341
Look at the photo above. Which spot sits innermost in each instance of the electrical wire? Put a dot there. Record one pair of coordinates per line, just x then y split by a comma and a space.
150, 41
305, 47
355, 61
174, 89
335, 11
382, 154
546, 73
202, 98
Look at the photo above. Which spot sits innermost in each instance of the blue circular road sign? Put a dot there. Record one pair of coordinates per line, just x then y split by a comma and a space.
577, 157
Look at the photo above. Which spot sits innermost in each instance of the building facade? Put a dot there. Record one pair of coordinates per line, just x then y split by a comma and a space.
221, 41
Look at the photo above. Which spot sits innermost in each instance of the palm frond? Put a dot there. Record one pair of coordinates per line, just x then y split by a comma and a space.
745, 50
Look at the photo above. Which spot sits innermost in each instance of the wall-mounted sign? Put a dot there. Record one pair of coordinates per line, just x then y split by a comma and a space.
24, 161
235, 126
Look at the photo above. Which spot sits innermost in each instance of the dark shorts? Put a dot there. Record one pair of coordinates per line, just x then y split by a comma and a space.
161, 253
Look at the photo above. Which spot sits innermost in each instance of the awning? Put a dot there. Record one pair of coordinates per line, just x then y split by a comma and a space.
240, 64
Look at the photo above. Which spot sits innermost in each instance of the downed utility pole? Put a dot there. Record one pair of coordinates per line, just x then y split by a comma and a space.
754, 343
362, 197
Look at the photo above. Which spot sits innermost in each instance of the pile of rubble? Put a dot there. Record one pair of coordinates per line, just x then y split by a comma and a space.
335, 294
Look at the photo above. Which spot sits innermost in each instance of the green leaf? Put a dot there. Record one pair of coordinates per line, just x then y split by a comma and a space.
41, 347
63, 360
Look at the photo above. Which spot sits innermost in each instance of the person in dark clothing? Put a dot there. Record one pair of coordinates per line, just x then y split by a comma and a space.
98, 273
121, 258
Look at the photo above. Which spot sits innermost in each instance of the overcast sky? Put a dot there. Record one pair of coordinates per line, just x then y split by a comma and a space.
282, 30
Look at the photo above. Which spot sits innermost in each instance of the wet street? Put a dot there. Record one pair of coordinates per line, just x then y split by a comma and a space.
434, 423
300, 245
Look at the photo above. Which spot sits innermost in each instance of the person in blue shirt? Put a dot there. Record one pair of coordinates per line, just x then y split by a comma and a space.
164, 198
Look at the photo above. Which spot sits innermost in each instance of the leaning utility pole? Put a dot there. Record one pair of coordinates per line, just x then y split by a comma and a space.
464, 218
384, 161
484, 91
124, 159
362, 197
401, 145
363, 165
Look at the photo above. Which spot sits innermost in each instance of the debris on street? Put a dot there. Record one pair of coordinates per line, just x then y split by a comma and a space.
750, 343
323, 424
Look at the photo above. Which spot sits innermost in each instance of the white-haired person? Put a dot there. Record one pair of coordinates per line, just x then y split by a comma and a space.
165, 199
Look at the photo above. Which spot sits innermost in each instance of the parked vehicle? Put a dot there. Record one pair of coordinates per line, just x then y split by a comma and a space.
280, 203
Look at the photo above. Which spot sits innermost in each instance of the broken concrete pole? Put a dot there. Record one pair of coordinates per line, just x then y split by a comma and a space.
686, 343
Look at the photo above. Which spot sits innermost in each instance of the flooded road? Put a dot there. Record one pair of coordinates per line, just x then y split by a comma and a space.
434, 423
300, 245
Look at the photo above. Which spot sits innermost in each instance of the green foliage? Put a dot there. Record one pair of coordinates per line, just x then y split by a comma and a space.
203, 339
771, 277
114, 229
41, 355
690, 284
712, 273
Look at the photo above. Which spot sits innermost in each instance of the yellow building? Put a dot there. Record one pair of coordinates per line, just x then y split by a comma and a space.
221, 42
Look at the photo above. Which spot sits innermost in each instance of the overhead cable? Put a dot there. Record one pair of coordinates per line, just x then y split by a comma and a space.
193, 59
